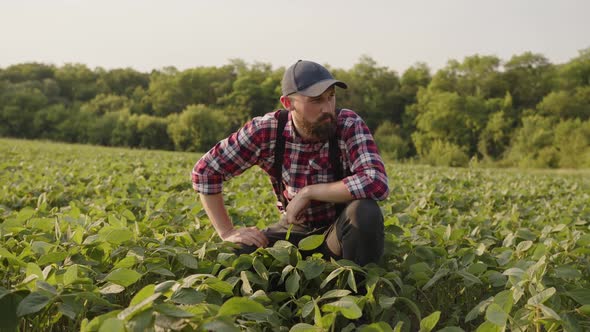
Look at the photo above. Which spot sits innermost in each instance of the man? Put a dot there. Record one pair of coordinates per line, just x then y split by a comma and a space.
311, 197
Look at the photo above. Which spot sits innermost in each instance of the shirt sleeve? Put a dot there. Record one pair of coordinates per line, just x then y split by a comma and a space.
368, 179
229, 157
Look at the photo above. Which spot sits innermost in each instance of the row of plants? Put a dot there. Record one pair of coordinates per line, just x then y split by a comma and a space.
99, 239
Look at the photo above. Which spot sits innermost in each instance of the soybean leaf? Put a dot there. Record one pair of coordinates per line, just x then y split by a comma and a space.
123, 277
311, 242
188, 260
542, 296
580, 295
31, 304
346, 306
172, 311
112, 325
240, 305
429, 322
496, 315
292, 283
303, 327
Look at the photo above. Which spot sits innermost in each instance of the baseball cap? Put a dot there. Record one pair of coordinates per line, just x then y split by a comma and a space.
309, 79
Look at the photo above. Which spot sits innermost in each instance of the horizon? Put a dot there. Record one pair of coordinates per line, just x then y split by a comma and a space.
183, 34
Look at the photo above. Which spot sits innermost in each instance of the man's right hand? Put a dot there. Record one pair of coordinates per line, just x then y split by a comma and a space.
250, 236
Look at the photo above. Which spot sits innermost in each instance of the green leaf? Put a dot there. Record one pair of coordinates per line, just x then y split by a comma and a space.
123, 277
585, 309
144, 293
164, 286
172, 311
292, 283
567, 272
112, 325
335, 293
489, 327
132, 310
550, 313
31, 304
141, 322
187, 296
524, 246
302, 327
53, 257
439, 274
429, 322
110, 288
496, 315
280, 254
580, 295
468, 278
240, 305
71, 275
219, 286
377, 327
260, 268
542, 296
188, 260
331, 276
311, 268
127, 262
311, 242
346, 306
115, 235
351, 281
34, 269
451, 329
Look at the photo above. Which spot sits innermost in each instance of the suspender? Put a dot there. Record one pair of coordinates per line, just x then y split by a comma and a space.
280, 155
334, 155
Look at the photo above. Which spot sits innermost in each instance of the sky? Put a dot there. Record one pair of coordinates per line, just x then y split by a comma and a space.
146, 34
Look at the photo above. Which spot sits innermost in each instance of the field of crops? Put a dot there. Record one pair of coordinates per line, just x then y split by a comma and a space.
103, 239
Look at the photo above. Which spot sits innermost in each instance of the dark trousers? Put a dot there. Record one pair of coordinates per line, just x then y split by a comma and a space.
356, 235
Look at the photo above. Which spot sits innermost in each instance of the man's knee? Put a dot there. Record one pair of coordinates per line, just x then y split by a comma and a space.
365, 214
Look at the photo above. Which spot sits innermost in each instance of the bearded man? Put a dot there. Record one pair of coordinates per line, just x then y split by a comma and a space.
323, 164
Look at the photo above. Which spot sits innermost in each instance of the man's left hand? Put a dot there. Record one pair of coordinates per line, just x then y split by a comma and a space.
296, 208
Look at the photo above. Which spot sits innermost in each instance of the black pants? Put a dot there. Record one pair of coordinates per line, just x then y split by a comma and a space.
356, 235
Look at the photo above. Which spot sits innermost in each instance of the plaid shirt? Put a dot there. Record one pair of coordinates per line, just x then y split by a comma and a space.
305, 163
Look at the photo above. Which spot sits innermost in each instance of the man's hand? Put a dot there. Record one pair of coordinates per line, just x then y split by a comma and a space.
250, 236
297, 206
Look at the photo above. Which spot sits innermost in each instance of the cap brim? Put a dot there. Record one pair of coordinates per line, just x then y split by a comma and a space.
321, 86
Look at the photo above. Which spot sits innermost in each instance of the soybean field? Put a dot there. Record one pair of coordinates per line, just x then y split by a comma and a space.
112, 239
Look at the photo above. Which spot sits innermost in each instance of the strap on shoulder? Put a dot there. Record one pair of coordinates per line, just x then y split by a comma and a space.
279, 154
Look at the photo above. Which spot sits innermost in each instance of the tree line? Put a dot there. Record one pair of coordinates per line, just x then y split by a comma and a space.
524, 112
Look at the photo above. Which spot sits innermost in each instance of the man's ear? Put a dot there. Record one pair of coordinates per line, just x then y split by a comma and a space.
286, 101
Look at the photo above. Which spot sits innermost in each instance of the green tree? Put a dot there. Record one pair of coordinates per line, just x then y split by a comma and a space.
18, 104
391, 144
374, 92
102, 104
254, 92
76, 82
122, 82
153, 133
197, 128
477, 76
566, 105
576, 72
530, 77
532, 144
572, 141
413, 79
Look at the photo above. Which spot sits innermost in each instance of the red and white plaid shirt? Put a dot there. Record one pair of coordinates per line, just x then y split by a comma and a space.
305, 163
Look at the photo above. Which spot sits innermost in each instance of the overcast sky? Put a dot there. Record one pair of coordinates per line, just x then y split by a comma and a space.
148, 35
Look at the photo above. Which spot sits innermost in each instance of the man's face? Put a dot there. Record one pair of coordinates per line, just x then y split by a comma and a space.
316, 116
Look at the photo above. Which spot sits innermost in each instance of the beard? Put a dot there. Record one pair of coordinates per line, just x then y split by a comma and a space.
321, 129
